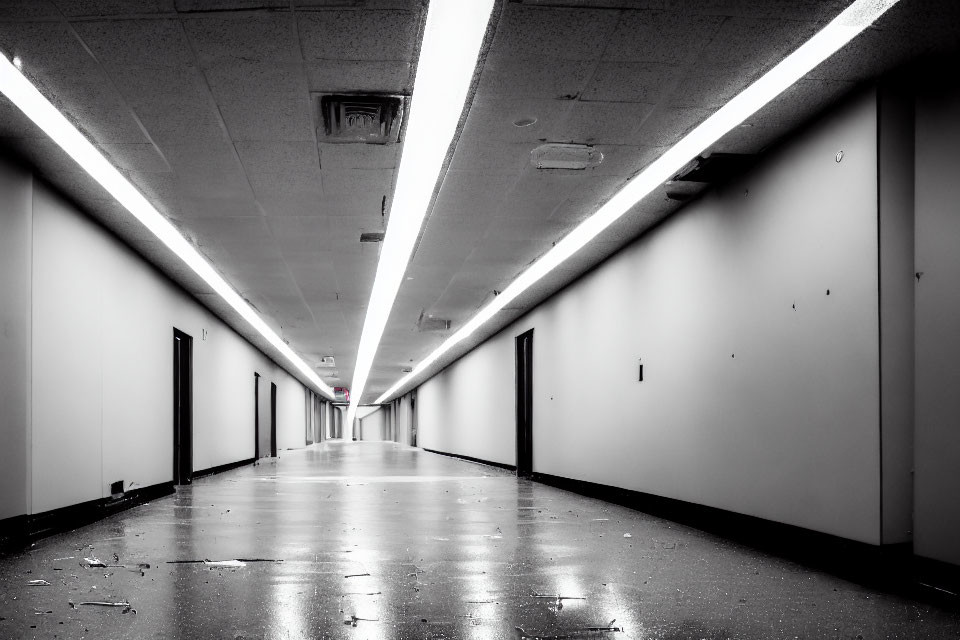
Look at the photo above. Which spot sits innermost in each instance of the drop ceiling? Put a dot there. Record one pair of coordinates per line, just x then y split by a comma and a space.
208, 107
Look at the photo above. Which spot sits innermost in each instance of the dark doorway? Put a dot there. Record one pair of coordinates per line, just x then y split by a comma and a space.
256, 415
182, 407
273, 419
525, 403
413, 420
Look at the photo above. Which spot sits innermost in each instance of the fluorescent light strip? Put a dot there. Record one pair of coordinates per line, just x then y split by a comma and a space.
448, 57
21, 92
847, 25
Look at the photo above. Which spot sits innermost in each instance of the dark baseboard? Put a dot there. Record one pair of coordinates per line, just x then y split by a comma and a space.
19, 531
223, 467
508, 467
888, 567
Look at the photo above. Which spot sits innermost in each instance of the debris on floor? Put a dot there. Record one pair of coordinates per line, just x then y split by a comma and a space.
38, 583
225, 563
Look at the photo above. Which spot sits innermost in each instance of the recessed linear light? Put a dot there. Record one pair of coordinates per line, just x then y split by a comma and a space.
846, 26
448, 57
21, 92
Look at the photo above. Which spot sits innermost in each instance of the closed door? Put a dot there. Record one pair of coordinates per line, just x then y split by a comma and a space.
524, 345
182, 407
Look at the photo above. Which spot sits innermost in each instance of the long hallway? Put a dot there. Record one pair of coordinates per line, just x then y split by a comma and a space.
378, 540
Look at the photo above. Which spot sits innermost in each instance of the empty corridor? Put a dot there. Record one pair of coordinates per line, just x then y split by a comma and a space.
377, 540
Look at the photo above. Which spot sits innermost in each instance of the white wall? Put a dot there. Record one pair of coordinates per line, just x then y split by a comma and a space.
291, 415
761, 391
15, 246
373, 425
469, 409
937, 446
102, 323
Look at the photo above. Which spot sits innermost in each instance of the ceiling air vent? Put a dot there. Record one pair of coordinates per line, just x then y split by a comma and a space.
326, 362
370, 119
556, 155
371, 236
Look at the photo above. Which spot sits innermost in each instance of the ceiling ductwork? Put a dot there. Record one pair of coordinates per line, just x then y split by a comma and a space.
365, 119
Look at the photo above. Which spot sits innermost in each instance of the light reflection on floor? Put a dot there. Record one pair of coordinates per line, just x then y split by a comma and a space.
378, 541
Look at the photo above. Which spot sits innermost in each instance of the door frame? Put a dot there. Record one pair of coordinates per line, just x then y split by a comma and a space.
524, 402
273, 419
182, 407
256, 415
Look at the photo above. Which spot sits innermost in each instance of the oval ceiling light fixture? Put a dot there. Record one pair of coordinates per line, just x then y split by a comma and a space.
452, 39
21, 92
838, 32
524, 122
557, 155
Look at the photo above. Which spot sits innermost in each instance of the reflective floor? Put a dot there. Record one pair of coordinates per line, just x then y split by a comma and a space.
374, 540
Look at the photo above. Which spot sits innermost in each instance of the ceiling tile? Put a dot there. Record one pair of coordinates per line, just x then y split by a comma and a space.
364, 208
561, 34
358, 35
667, 125
173, 103
656, 36
27, 9
359, 156
87, 97
229, 5
255, 37
749, 47
472, 195
390, 76
538, 192
474, 153
278, 156
93, 8
218, 202
783, 9
155, 43
43, 46
605, 122
280, 202
262, 101
631, 82
492, 119
139, 158
587, 198
243, 233
708, 91
368, 181
535, 77
624, 160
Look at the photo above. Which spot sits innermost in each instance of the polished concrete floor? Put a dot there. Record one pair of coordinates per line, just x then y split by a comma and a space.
376, 540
